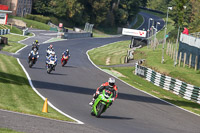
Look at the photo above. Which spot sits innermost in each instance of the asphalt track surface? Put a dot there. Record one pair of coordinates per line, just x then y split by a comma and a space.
70, 89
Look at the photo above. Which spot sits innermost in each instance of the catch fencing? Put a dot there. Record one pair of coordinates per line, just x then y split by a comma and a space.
178, 87
190, 45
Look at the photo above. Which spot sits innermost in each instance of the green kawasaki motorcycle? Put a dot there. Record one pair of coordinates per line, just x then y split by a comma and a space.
102, 102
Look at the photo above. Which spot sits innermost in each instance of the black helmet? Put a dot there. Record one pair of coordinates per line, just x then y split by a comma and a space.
111, 82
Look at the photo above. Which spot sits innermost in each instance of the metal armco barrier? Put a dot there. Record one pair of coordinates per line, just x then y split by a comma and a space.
178, 87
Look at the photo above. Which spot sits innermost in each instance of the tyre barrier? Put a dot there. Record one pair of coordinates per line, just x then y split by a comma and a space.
178, 87
4, 31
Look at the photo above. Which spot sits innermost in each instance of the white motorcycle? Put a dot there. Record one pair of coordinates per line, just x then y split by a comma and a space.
51, 66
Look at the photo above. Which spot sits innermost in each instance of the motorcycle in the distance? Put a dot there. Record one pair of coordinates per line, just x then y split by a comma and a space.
101, 104
64, 60
50, 66
49, 52
32, 59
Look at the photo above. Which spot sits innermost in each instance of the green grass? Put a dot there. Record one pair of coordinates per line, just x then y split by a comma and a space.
13, 44
14, 38
16, 93
116, 55
6, 130
34, 24
97, 33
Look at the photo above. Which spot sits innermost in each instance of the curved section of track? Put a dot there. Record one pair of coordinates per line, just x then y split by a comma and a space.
70, 89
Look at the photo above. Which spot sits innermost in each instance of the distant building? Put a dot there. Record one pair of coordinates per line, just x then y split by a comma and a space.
18, 7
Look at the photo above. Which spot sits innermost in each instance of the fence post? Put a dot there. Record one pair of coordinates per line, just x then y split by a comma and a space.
179, 64
172, 51
196, 59
184, 60
190, 60
167, 51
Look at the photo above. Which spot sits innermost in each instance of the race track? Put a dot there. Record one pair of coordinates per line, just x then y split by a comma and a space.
70, 89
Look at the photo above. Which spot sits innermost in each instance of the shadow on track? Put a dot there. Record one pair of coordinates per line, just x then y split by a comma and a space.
69, 67
57, 74
90, 91
37, 68
115, 117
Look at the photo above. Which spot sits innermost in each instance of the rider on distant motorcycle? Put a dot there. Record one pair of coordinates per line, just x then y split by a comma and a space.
52, 57
109, 88
66, 53
50, 48
35, 45
32, 54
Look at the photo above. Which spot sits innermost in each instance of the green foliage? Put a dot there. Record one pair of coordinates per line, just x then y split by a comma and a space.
101, 13
181, 16
39, 18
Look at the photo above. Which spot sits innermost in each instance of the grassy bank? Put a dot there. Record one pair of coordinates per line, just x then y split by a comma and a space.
111, 54
153, 58
13, 44
16, 93
34, 24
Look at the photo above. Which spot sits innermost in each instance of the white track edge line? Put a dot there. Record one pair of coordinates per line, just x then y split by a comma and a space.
31, 84
135, 87
9, 111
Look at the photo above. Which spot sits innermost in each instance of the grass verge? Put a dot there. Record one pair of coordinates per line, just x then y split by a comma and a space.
6, 130
13, 44
16, 93
111, 54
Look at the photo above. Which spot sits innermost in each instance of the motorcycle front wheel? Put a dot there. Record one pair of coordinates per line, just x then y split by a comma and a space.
31, 63
100, 108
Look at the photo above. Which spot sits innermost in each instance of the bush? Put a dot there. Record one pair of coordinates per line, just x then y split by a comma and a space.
39, 18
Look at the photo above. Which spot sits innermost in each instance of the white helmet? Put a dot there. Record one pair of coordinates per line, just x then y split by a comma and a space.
53, 53
111, 82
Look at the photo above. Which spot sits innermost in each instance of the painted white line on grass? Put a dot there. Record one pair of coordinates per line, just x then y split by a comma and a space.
135, 87
31, 84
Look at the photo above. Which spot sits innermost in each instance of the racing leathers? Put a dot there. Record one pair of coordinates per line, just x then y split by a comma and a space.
35, 45
33, 54
65, 53
108, 89
49, 51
